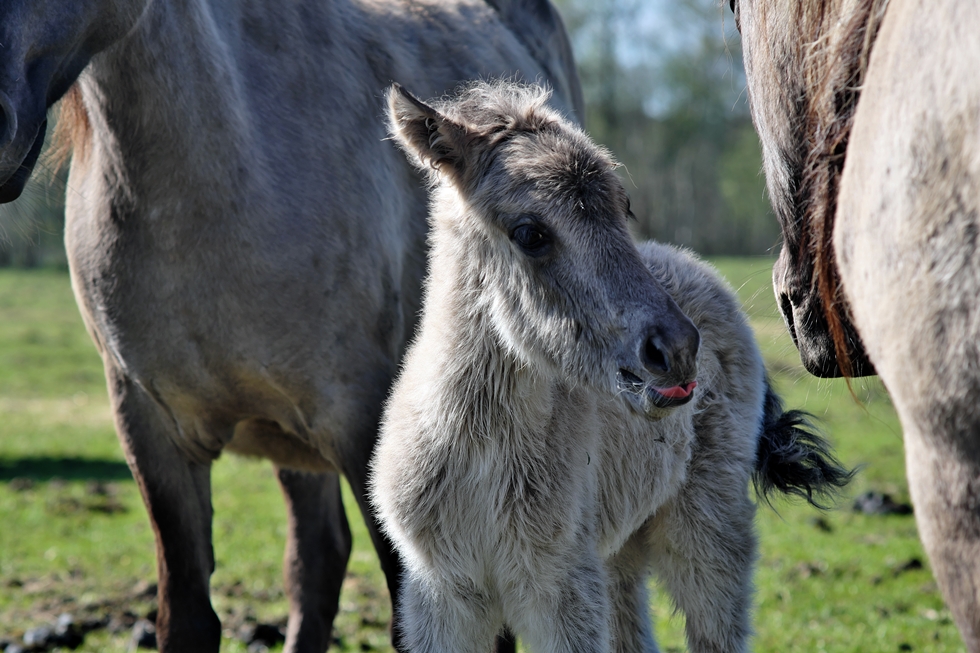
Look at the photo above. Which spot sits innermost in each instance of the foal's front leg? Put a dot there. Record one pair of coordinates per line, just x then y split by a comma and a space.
628, 571
703, 548
444, 616
567, 611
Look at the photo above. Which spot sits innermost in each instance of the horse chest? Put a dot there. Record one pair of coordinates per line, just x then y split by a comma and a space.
482, 502
642, 466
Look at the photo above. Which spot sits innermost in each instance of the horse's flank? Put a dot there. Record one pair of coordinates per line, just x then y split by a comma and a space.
906, 243
903, 211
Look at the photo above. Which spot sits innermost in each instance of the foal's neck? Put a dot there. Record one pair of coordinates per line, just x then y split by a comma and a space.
486, 387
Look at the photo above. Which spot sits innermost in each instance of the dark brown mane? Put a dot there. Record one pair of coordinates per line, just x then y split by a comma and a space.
73, 130
840, 48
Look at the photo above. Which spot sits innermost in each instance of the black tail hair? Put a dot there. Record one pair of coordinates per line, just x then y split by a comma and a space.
794, 459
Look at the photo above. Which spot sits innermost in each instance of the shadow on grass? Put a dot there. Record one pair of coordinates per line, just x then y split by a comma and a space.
46, 468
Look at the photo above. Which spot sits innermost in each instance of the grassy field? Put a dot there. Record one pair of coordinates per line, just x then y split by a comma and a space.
74, 537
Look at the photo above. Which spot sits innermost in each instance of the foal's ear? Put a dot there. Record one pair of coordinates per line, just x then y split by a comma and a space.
434, 138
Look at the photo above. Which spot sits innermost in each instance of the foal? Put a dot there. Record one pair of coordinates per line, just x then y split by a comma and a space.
573, 411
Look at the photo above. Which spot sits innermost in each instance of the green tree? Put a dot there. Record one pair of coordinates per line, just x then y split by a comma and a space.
664, 91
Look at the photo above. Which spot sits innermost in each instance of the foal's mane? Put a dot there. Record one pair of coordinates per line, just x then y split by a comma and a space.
838, 37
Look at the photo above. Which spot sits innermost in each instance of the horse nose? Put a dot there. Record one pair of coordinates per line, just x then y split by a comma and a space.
672, 351
8, 120
654, 357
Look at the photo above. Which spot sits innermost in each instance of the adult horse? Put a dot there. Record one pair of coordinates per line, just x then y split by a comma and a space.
869, 115
245, 247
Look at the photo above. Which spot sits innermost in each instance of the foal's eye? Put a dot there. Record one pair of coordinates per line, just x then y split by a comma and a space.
532, 238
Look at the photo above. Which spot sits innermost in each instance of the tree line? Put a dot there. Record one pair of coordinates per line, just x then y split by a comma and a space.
665, 92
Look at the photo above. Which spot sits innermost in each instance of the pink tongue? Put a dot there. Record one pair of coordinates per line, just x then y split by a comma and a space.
678, 391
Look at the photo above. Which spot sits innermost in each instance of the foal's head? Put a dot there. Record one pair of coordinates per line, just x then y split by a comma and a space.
534, 218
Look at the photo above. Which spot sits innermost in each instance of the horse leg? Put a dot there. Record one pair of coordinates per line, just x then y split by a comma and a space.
704, 549
317, 549
390, 561
632, 631
566, 613
177, 494
944, 481
356, 472
442, 616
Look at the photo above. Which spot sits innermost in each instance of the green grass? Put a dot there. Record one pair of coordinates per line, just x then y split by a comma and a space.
75, 536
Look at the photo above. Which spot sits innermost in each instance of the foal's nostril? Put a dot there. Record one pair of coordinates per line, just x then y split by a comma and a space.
654, 357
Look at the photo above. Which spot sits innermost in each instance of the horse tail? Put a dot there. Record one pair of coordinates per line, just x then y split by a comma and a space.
793, 458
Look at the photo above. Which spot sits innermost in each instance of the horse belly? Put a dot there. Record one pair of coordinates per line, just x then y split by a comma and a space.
265, 439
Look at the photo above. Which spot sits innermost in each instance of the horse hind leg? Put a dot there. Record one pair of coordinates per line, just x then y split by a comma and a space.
944, 481
317, 550
703, 548
177, 494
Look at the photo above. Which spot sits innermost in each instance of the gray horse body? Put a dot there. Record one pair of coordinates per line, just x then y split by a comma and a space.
245, 247
266, 247
907, 248
904, 243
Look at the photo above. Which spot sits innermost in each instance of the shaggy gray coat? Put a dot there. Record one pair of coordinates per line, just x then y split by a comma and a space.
527, 475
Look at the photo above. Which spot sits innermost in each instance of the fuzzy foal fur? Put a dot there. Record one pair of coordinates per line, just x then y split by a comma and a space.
522, 482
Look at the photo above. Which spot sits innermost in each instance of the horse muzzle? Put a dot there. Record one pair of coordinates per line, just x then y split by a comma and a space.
18, 155
807, 325
650, 399
665, 377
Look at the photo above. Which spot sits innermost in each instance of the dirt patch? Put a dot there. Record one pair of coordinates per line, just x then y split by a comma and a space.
63, 614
